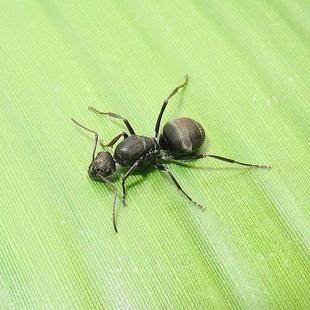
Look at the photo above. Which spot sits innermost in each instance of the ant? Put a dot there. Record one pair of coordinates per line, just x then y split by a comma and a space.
181, 140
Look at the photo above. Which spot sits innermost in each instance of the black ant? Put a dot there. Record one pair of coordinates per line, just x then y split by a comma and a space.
181, 140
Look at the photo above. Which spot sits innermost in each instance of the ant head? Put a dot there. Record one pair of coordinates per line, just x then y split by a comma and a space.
102, 166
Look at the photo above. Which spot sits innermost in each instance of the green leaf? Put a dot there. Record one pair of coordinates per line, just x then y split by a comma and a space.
248, 66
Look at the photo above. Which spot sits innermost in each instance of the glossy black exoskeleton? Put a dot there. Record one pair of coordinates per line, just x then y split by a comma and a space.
136, 148
182, 136
181, 139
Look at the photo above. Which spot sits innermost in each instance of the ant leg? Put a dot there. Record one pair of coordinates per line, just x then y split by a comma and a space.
229, 160
165, 104
165, 169
133, 167
130, 129
123, 134
96, 136
114, 202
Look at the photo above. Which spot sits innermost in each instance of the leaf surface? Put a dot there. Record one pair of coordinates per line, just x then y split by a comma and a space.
248, 64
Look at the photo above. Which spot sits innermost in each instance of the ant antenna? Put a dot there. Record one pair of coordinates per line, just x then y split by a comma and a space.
96, 136
115, 198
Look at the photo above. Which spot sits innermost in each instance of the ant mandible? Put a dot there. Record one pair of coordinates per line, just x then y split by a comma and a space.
181, 140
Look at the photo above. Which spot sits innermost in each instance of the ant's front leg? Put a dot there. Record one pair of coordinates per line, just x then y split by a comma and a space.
132, 168
126, 122
110, 144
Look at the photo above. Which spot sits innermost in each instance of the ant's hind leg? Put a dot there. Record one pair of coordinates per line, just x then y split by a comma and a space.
162, 110
229, 160
130, 129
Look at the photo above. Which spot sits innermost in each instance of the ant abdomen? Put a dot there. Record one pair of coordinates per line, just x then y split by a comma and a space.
182, 135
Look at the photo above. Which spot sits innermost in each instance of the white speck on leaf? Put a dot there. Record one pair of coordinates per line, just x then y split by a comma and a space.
271, 100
